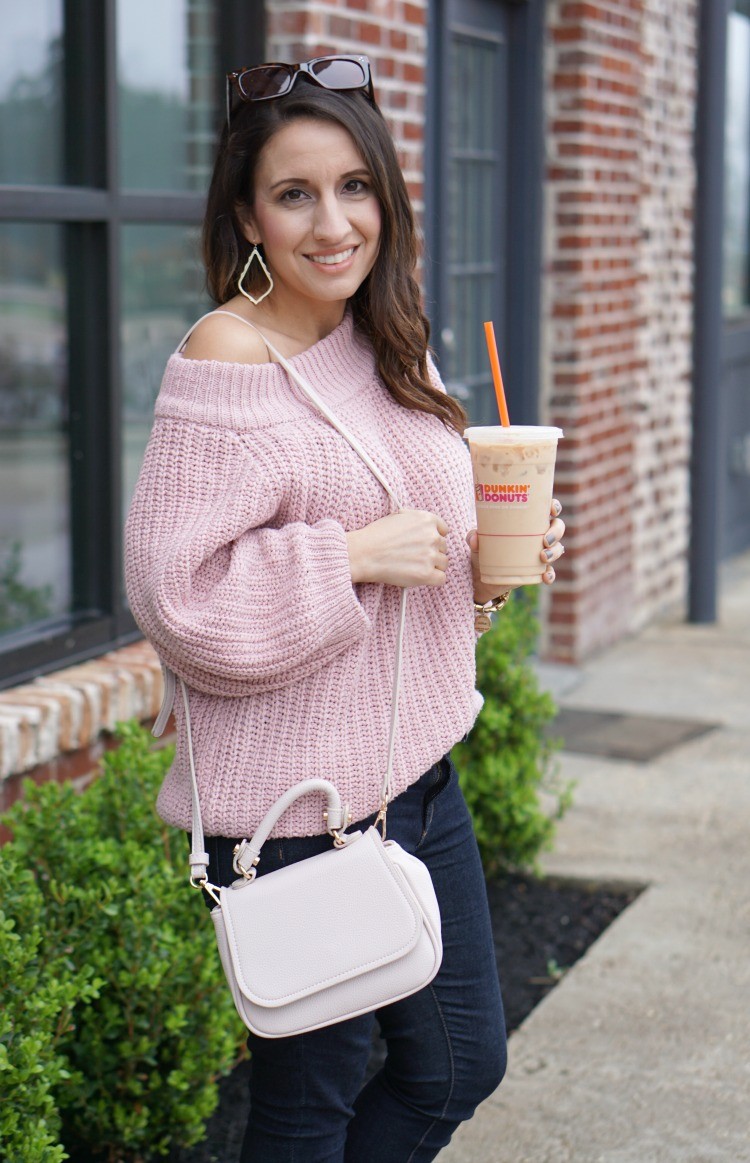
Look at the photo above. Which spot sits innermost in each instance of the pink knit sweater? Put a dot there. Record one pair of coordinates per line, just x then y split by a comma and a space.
237, 571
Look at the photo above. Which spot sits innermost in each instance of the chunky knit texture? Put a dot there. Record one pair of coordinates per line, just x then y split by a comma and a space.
237, 571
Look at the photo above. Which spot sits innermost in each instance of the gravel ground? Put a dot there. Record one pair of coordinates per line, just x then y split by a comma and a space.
540, 928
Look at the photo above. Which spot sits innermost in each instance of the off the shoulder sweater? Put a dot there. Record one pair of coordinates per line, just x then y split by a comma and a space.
237, 571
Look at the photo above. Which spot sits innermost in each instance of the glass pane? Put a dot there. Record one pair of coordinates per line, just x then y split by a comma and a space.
168, 106
736, 294
35, 567
31, 80
162, 295
475, 203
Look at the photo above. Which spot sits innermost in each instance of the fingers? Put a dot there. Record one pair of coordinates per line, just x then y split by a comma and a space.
552, 554
552, 548
555, 508
555, 532
439, 554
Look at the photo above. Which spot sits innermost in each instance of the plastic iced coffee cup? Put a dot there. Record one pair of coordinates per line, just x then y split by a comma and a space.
513, 473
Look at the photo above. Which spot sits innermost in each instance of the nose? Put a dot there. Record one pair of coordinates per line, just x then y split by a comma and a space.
331, 223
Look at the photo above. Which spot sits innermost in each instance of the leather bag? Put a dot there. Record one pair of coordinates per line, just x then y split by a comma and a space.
338, 934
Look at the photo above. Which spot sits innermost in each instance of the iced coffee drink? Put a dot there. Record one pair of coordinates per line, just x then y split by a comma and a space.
513, 474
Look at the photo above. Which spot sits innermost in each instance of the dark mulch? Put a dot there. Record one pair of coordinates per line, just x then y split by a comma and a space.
541, 929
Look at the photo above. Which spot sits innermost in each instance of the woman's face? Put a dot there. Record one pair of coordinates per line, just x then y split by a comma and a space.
315, 212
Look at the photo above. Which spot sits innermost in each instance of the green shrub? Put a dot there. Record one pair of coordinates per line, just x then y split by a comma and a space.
507, 761
145, 1052
19, 603
39, 995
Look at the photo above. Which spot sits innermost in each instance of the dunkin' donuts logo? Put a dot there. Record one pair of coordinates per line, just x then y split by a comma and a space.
503, 494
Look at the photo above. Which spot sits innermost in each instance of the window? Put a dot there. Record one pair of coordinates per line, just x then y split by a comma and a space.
485, 144
475, 214
736, 271
108, 111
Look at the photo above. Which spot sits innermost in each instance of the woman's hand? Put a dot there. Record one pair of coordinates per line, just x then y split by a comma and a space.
552, 548
403, 549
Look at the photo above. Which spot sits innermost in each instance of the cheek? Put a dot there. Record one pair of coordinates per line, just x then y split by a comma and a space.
370, 226
282, 233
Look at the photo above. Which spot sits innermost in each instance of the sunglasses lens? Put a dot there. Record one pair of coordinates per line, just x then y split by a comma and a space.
340, 74
264, 81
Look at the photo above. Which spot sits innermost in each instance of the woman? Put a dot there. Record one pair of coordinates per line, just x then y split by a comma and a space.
265, 564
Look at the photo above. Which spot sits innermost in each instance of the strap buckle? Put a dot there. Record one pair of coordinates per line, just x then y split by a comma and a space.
339, 834
239, 851
205, 884
380, 818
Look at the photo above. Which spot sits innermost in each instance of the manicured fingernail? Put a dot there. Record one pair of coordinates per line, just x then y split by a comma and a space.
557, 508
550, 539
550, 575
548, 554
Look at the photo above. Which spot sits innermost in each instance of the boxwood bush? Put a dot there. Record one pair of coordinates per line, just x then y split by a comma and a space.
506, 766
40, 993
130, 1020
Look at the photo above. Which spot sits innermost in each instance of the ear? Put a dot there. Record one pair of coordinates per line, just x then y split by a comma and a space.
247, 223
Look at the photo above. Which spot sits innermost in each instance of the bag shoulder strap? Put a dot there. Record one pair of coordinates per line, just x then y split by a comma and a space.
198, 857
210, 315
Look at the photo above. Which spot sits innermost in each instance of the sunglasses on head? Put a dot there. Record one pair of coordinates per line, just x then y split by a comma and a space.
264, 82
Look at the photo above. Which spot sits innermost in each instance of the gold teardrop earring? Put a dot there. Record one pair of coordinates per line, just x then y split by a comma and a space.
255, 253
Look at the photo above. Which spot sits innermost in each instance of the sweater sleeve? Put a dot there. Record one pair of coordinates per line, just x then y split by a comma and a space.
231, 603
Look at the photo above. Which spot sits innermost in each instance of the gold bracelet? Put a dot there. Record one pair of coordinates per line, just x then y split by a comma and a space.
494, 604
482, 611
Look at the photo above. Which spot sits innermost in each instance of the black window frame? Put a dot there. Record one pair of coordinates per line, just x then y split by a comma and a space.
92, 208
522, 238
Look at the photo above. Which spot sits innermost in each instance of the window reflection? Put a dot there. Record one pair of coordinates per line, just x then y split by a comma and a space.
168, 102
34, 447
162, 295
31, 89
736, 294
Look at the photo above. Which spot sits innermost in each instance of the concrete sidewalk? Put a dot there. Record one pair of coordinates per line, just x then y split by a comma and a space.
642, 1052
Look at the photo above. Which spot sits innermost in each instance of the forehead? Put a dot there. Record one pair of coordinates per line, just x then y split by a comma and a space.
308, 145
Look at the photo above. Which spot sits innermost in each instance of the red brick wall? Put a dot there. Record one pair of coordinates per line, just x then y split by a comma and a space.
394, 36
620, 102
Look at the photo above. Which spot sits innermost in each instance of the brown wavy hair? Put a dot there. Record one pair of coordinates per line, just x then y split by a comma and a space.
387, 307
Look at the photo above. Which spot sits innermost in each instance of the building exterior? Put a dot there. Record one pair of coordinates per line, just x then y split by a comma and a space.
559, 157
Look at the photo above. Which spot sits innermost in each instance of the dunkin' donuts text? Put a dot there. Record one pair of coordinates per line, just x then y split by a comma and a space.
505, 494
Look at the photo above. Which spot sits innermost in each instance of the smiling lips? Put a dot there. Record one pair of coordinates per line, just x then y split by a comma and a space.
332, 259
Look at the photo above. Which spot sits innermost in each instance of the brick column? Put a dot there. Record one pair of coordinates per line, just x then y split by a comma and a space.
663, 401
616, 359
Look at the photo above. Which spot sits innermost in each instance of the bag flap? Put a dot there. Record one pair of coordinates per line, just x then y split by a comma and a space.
321, 921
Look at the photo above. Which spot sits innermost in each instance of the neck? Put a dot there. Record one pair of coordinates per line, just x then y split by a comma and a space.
303, 324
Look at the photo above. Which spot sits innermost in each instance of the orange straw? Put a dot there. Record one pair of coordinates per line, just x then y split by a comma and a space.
497, 378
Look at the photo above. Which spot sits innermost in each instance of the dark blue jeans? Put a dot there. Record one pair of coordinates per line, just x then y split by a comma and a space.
446, 1043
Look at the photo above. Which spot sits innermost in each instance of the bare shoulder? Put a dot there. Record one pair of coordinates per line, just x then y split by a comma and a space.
222, 337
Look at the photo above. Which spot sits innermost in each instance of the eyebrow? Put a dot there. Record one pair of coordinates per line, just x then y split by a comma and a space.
362, 171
